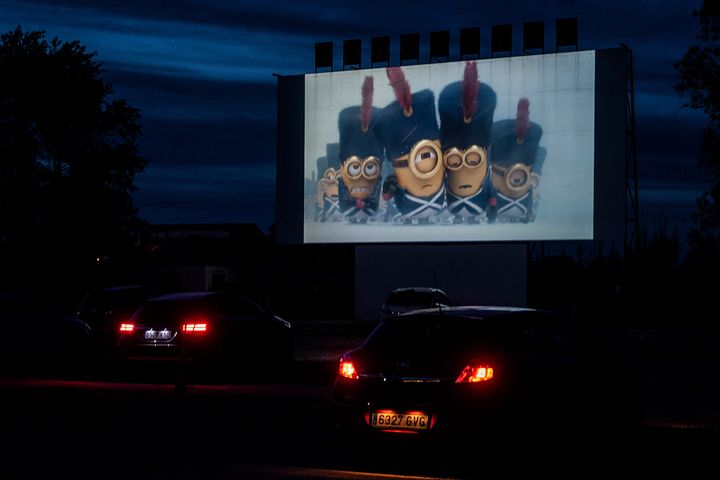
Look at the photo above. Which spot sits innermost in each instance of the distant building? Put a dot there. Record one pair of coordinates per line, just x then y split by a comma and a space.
247, 232
207, 256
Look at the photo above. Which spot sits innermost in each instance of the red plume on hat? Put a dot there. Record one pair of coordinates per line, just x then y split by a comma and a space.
401, 87
366, 106
469, 91
522, 121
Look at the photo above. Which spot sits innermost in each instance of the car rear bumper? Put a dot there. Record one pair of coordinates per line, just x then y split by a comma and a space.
450, 410
162, 353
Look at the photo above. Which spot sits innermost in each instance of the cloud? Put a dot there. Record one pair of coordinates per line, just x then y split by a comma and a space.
212, 194
287, 17
668, 149
184, 143
204, 182
177, 97
162, 44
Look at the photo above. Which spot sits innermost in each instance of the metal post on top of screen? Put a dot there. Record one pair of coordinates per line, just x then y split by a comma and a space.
444, 46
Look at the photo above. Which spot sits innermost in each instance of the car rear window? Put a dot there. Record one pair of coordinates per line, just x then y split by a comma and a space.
415, 299
174, 310
507, 332
170, 311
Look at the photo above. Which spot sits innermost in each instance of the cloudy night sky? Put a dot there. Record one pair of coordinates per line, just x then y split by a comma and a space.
201, 73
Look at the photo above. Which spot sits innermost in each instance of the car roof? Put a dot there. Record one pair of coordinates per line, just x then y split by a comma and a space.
121, 288
182, 296
417, 289
471, 311
124, 287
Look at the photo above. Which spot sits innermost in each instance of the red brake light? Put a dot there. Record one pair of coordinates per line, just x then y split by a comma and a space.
198, 327
476, 373
347, 370
127, 327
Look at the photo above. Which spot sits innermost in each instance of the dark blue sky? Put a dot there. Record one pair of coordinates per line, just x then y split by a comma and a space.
201, 72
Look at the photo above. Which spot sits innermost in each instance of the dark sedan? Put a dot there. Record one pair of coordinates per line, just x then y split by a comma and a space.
36, 336
479, 369
221, 330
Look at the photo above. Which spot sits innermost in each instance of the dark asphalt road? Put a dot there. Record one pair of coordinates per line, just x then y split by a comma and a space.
90, 429
130, 424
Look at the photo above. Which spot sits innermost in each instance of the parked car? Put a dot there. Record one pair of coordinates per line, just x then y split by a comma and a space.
470, 371
403, 300
219, 330
104, 309
39, 337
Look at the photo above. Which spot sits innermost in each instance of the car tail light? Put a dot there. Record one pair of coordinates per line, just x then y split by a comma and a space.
475, 374
348, 370
195, 327
127, 327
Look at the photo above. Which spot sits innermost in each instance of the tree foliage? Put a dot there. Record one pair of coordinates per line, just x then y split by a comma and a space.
68, 153
699, 81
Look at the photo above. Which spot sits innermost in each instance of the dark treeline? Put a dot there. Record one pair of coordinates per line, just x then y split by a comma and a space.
68, 158
597, 284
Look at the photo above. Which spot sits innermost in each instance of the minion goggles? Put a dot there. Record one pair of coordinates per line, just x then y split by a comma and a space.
472, 157
355, 167
518, 177
330, 175
422, 150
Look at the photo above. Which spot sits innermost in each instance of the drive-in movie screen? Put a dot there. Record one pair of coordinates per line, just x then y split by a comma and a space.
482, 150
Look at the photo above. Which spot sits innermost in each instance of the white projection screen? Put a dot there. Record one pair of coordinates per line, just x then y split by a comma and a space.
527, 148
524, 159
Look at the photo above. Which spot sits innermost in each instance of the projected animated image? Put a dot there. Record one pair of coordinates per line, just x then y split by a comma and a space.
454, 160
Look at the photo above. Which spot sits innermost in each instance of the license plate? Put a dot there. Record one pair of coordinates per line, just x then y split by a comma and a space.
163, 334
400, 421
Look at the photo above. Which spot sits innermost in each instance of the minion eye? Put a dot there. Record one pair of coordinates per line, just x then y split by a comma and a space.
426, 155
518, 179
371, 169
354, 169
453, 161
473, 159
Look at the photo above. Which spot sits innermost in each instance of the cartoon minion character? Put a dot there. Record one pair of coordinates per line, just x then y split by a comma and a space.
320, 189
320, 199
361, 153
331, 202
515, 145
409, 131
466, 117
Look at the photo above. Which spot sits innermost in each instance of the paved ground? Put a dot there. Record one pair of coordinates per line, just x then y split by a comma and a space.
121, 425
73, 429
678, 369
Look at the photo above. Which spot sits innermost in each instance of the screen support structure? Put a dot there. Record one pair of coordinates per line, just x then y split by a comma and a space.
632, 205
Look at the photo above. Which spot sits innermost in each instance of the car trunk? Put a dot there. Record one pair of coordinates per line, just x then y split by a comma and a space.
161, 323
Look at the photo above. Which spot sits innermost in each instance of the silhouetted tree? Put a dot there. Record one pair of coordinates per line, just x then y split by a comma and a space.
699, 79
68, 157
